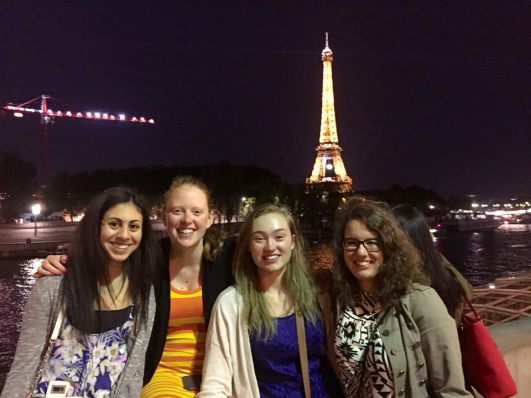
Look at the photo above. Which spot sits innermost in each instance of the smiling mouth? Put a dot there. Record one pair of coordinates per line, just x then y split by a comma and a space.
271, 258
185, 231
363, 264
120, 246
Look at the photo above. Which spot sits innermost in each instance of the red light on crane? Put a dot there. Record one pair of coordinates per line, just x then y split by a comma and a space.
47, 117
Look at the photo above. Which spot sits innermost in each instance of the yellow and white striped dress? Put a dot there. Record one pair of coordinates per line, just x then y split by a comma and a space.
184, 351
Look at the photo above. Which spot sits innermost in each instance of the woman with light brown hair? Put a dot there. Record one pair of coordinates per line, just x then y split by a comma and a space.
253, 346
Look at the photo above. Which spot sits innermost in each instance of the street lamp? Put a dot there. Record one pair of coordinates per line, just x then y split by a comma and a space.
35, 210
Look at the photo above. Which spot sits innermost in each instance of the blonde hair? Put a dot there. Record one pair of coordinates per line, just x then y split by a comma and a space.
213, 240
297, 281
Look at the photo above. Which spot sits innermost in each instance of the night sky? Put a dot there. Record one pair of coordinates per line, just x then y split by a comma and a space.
436, 96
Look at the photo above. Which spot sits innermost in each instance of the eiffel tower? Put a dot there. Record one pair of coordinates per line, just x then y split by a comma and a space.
328, 172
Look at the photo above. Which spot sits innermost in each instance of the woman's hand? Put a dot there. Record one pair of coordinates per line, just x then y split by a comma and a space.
53, 265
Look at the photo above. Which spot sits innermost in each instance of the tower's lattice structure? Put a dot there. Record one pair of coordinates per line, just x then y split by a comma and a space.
328, 170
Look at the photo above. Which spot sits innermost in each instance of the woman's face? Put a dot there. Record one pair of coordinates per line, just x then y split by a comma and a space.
363, 264
271, 243
187, 216
121, 232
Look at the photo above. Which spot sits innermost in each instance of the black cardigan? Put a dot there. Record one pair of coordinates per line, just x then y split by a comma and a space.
216, 276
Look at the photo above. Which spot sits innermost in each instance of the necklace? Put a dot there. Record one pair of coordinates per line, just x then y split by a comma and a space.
114, 301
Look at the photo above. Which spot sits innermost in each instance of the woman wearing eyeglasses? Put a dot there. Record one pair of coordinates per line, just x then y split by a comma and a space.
393, 335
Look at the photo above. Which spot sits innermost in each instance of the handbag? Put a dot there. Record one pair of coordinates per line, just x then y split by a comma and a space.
45, 353
483, 364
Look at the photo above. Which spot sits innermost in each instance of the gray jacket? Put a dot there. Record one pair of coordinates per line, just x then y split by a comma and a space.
39, 318
421, 342
422, 345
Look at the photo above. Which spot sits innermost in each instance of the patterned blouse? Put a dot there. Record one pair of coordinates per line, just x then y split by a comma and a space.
364, 367
91, 363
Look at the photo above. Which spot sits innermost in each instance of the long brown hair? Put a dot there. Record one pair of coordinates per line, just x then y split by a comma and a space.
414, 224
296, 280
402, 262
87, 271
213, 239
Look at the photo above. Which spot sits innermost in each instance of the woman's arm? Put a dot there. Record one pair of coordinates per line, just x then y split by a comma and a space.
217, 367
33, 336
440, 344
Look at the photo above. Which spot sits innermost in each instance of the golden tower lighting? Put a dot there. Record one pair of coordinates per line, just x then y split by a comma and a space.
328, 169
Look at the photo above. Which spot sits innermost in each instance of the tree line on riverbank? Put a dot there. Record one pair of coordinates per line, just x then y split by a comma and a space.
235, 188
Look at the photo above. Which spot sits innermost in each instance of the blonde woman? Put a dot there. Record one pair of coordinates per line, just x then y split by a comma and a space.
253, 349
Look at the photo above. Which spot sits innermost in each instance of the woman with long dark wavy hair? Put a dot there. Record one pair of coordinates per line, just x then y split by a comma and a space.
195, 269
444, 277
393, 334
100, 313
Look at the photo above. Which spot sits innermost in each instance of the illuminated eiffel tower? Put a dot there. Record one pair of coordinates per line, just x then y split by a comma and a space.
328, 172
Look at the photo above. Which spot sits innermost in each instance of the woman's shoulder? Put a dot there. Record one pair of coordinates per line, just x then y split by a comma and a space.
423, 299
419, 291
45, 292
228, 301
48, 284
228, 295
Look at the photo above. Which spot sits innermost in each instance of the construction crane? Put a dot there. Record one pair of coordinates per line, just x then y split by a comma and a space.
47, 117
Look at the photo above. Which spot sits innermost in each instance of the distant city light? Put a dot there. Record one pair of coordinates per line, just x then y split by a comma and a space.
475, 205
121, 117
36, 209
18, 114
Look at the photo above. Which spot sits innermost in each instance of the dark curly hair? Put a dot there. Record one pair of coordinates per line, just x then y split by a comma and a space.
402, 262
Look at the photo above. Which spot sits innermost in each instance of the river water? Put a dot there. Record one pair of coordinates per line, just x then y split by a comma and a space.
480, 256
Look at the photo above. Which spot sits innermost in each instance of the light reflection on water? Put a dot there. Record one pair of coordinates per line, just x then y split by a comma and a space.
16, 281
484, 256
481, 257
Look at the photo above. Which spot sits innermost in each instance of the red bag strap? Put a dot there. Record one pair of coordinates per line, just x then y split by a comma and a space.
467, 301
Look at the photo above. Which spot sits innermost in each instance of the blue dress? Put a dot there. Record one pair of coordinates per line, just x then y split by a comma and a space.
277, 364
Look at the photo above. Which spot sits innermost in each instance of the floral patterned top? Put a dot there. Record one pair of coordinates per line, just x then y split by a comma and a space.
91, 363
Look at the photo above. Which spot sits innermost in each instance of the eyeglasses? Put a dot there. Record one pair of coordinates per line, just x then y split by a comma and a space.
371, 245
